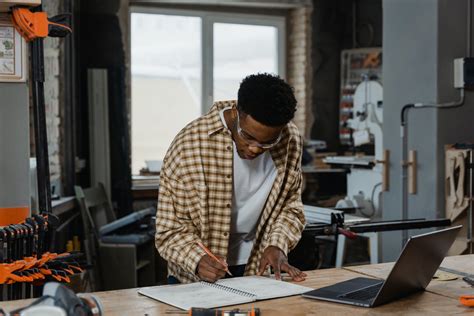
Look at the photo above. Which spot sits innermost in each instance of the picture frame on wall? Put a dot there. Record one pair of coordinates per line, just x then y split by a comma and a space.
12, 52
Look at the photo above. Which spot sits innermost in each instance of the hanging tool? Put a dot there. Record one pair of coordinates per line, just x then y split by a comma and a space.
34, 26
25, 263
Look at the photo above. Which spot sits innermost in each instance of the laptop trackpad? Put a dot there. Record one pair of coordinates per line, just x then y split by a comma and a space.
333, 291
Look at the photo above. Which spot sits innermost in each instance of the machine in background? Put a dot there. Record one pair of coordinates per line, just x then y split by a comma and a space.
364, 180
355, 63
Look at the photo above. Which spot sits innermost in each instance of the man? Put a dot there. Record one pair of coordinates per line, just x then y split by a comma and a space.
231, 180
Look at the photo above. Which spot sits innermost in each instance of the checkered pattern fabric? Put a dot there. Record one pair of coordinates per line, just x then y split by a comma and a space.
195, 196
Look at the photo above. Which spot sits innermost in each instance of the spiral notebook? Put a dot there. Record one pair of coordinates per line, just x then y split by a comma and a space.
222, 293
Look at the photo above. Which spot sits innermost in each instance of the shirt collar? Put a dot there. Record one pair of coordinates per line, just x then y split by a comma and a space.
215, 122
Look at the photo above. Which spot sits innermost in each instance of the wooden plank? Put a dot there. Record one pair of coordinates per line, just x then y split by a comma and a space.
129, 302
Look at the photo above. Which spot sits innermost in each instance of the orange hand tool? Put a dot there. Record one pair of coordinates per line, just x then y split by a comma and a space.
7, 269
69, 271
78, 269
467, 300
32, 25
45, 271
30, 262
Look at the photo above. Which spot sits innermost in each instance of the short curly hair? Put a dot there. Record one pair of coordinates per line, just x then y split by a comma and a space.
267, 98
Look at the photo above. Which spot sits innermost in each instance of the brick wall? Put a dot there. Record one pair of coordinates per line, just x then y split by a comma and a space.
52, 95
299, 71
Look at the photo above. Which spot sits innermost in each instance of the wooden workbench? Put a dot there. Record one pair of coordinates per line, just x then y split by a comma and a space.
440, 299
452, 289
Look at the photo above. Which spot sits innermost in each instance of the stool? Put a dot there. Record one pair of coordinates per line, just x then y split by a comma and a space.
373, 248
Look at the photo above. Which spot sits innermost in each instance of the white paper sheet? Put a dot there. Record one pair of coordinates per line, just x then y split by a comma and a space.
209, 295
264, 287
185, 296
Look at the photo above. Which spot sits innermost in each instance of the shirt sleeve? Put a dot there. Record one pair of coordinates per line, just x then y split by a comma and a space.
287, 229
176, 235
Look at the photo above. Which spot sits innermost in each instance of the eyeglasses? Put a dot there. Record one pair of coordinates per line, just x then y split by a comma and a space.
249, 140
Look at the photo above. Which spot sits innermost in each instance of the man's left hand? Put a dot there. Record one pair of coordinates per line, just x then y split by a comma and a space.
276, 258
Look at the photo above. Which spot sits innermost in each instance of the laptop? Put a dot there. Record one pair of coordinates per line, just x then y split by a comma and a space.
418, 262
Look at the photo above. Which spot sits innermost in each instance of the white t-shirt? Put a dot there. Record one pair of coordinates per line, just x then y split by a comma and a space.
253, 180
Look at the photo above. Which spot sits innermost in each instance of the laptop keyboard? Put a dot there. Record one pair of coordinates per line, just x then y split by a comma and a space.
364, 294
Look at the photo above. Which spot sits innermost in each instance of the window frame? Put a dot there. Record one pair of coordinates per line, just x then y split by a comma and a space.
207, 40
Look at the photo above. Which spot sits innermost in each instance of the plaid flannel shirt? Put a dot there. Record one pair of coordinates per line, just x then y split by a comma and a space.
195, 196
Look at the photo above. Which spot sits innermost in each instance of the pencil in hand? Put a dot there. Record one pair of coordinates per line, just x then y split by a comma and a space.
210, 254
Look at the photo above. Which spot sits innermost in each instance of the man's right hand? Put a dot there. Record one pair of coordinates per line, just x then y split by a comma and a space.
210, 270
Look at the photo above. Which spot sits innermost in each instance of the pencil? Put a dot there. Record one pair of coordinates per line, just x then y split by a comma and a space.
214, 257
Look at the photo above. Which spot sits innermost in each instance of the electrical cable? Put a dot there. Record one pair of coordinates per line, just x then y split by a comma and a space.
405, 109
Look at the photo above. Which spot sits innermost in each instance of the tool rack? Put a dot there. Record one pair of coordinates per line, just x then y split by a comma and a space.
26, 262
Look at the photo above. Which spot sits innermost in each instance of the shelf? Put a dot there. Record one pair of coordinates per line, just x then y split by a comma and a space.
63, 205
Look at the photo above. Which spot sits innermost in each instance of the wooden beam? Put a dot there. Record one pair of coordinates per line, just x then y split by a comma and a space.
5, 6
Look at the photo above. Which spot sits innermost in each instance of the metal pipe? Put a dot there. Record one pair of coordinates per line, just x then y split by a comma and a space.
403, 173
451, 104
403, 130
404, 181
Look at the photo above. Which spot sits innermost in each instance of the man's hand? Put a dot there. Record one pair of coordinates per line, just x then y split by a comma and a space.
275, 257
210, 270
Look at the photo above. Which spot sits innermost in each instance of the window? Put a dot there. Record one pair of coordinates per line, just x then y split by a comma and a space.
181, 62
166, 81
240, 50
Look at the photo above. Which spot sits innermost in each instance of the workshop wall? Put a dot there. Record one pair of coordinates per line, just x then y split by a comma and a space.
418, 67
14, 141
